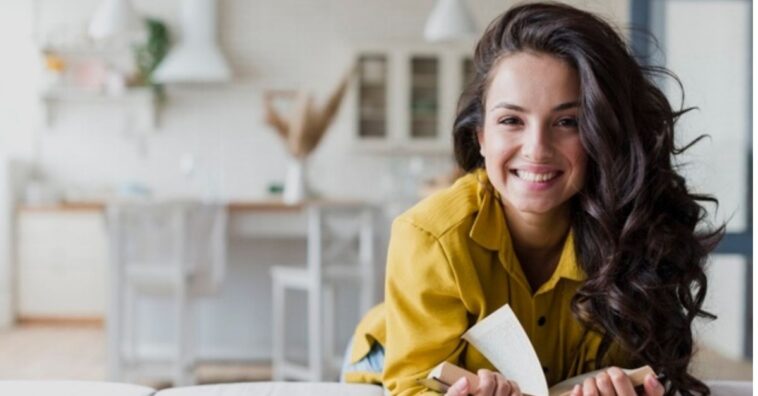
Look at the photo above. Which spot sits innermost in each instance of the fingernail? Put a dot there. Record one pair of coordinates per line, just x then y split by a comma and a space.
460, 385
652, 381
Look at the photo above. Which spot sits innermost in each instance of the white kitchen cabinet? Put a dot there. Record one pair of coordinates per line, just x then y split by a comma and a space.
61, 263
407, 95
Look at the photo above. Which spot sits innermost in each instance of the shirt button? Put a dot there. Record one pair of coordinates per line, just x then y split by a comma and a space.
541, 321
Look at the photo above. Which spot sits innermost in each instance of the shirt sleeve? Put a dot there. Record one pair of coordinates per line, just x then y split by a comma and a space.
425, 314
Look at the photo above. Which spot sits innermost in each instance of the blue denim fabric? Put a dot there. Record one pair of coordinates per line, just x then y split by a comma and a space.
373, 362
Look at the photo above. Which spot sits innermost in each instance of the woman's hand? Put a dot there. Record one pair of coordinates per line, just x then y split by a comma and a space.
614, 382
490, 384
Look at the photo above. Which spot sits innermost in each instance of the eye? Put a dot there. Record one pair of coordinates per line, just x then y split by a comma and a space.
509, 121
568, 122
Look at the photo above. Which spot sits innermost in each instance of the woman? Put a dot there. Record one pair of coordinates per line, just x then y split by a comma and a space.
571, 212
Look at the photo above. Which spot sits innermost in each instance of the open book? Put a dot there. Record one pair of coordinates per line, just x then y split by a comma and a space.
502, 340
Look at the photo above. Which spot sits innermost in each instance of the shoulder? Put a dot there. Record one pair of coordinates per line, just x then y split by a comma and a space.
448, 210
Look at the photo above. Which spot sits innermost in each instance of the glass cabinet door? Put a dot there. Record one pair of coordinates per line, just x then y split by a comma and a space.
424, 97
372, 96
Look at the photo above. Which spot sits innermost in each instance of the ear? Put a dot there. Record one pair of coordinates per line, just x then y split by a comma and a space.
480, 139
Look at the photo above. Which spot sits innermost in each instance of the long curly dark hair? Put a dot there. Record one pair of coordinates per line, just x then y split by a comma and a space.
635, 220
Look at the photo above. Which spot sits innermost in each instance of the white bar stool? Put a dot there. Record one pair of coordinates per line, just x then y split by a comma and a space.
176, 250
340, 252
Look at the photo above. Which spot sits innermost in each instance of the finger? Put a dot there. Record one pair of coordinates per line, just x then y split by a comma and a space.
503, 387
577, 390
653, 387
604, 384
589, 388
621, 382
459, 388
487, 382
515, 390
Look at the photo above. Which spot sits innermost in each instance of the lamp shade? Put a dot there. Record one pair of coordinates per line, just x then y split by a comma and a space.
197, 57
113, 17
450, 20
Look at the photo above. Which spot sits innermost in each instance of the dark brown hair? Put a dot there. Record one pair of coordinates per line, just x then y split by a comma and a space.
635, 220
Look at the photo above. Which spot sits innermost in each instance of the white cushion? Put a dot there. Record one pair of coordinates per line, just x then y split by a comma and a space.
93, 388
731, 388
72, 388
277, 389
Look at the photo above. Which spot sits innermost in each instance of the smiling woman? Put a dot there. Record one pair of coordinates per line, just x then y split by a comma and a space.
571, 212
533, 153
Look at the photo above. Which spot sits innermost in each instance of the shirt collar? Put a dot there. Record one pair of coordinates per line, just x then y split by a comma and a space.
489, 227
568, 266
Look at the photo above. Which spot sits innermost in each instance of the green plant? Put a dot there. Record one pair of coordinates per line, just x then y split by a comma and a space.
150, 53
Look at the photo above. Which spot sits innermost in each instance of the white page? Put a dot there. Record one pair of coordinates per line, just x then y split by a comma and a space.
502, 340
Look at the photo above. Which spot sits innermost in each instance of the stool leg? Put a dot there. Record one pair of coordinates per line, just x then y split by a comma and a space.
180, 372
128, 352
277, 330
188, 362
329, 328
315, 355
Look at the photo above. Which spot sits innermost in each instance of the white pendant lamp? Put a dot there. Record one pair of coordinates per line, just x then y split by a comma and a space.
197, 57
450, 20
113, 17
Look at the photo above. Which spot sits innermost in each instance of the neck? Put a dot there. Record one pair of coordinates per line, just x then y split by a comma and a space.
538, 232
538, 241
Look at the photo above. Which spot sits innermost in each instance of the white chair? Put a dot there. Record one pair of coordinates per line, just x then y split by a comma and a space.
171, 249
340, 252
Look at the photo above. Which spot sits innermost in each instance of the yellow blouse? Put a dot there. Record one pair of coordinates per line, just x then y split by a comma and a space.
450, 264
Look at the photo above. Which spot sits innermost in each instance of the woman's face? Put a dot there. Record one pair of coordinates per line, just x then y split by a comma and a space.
530, 135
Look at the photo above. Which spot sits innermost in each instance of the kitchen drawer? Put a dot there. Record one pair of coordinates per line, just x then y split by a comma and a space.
62, 263
61, 293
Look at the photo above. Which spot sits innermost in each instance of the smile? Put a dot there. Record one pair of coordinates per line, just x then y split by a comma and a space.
535, 177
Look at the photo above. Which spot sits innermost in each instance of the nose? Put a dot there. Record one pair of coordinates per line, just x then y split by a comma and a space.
537, 145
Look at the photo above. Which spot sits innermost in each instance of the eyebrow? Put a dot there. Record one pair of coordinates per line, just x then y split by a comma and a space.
562, 106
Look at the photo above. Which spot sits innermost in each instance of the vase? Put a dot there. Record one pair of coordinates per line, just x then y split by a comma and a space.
295, 187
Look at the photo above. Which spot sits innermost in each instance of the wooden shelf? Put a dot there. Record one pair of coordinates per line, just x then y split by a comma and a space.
142, 97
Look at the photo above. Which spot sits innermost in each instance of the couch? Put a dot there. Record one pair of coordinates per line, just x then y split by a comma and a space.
91, 388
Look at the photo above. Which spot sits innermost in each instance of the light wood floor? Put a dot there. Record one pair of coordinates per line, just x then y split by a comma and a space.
38, 351
77, 352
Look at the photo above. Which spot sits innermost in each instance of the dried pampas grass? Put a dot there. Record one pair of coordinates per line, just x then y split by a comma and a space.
308, 123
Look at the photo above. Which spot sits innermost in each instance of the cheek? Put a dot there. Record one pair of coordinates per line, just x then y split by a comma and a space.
578, 158
499, 147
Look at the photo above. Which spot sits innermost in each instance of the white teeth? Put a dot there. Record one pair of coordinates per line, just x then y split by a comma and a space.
535, 177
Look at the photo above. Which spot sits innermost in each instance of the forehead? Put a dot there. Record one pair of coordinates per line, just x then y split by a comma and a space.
532, 80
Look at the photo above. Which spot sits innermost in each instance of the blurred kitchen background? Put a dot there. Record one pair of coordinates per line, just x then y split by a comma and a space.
140, 102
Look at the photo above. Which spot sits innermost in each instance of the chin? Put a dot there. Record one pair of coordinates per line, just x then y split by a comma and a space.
531, 207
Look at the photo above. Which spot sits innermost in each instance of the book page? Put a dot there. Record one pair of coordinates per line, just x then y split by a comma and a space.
502, 340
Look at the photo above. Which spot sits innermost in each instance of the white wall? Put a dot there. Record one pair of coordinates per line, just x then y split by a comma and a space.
18, 115
707, 44
714, 72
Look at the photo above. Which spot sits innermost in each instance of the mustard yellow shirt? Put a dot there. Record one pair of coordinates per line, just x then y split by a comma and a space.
450, 264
